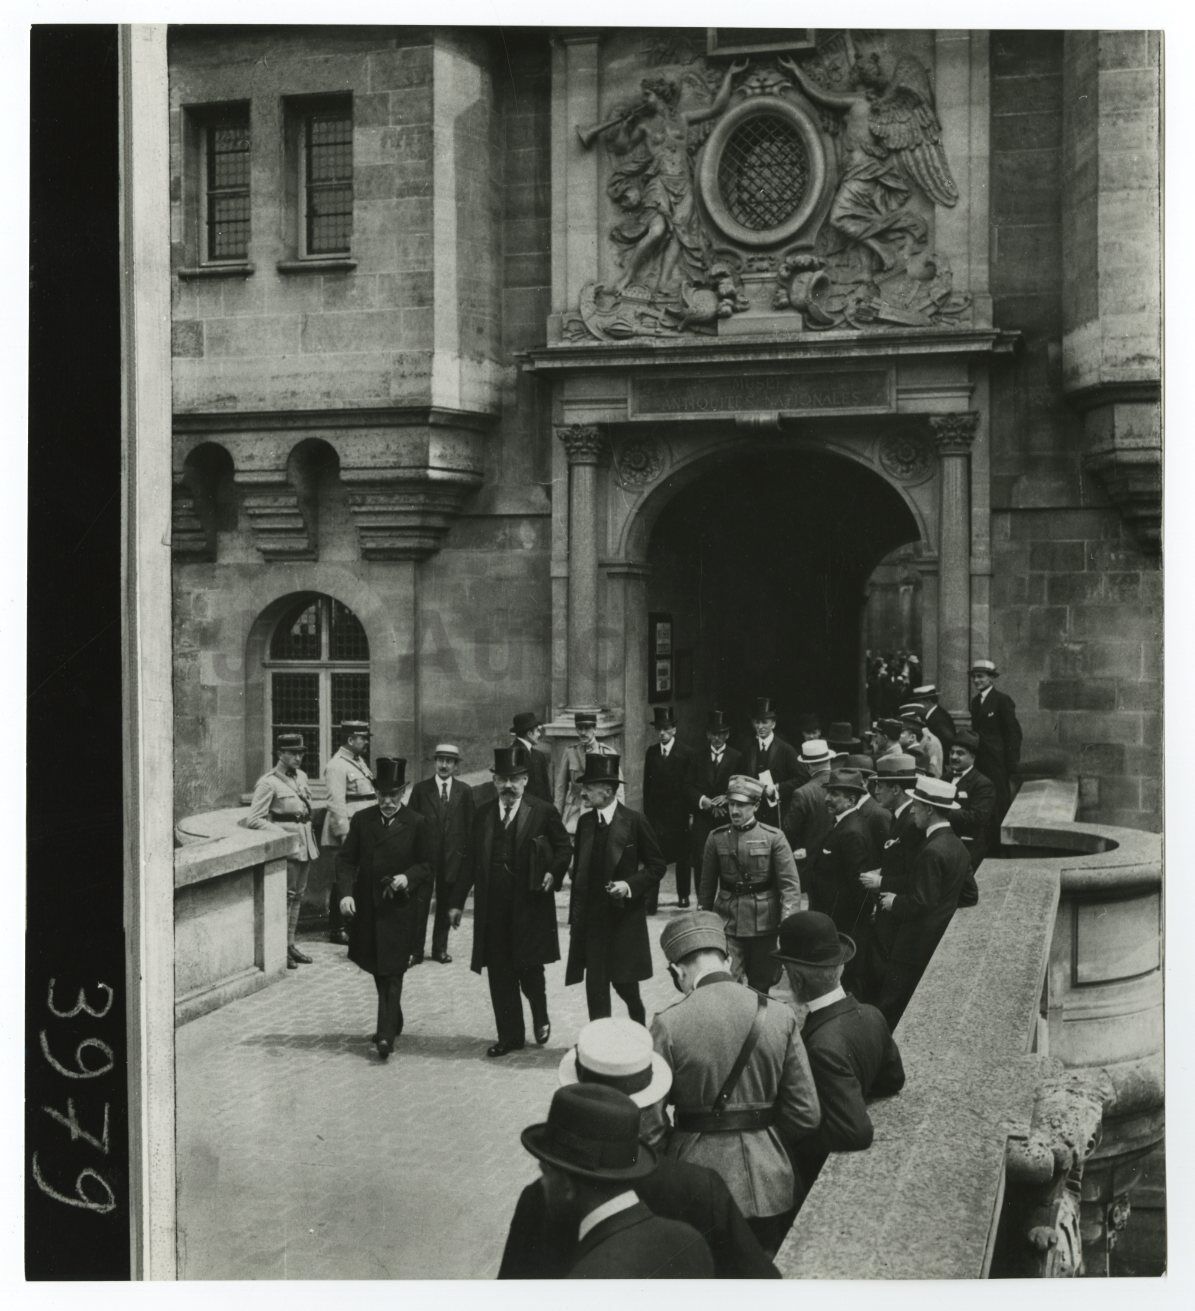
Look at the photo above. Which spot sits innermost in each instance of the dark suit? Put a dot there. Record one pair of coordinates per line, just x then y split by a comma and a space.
608, 942
666, 806
709, 780
782, 760
543, 1246
846, 851
941, 725
380, 932
919, 916
449, 828
539, 781
635, 1244
896, 863
994, 718
806, 823
514, 928
973, 823
853, 1058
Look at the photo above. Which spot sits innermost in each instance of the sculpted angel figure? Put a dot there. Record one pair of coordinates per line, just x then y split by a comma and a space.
892, 139
653, 182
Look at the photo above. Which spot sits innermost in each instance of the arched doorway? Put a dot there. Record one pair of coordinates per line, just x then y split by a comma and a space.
763, 566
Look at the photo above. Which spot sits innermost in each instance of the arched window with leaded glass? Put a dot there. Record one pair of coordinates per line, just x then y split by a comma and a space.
317, 675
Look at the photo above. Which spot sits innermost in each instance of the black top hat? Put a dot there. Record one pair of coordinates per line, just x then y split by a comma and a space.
841, 734
716, 722
764, 709
807, 937
967, 739
912, 719
389, 774
664, 717
511, 760
525, 722
592, 1131
601, 769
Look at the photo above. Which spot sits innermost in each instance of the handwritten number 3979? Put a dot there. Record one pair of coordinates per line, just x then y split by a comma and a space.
93, 1058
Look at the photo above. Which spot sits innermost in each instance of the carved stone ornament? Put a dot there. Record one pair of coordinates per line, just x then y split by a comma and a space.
584, 443
954, 433
638, 461
907, 456
271, 504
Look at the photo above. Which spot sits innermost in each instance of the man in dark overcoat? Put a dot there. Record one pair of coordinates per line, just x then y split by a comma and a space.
806, 819
616, 863
527, 729
994, 719
380, 870
447, 805
666, 767
709, 774
518, 855
976, 796
937, 720
769, 758
919, 916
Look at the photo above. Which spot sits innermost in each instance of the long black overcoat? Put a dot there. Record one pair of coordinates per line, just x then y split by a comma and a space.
381, 932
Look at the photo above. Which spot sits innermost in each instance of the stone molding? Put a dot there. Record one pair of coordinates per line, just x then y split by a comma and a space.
583, 443
189, 539
404, 516
271, 504
954, 433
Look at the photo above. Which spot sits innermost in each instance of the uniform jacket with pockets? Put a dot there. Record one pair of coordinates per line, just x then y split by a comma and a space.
759, 856
283, 801
350, 785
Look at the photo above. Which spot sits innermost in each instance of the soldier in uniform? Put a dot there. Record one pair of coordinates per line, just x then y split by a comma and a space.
994, 718
283, 798
380, 871
349, 781
749, 878
527, 728
741, 1086
666, 768
708, 777
570, 798
447, 805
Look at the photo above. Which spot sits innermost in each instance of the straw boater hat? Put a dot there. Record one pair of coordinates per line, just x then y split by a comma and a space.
446, 749
592, 1131
984, 667
618, 1052
936, 792
925, 691
816, 752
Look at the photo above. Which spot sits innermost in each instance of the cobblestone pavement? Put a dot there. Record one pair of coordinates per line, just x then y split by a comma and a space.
302, 1156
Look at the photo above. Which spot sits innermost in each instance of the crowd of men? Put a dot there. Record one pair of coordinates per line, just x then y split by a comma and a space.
687, 1149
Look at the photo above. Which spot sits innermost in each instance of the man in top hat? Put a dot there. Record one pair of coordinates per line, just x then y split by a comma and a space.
570, 798
380, 872
591, 1161
618, 1053
976, 797
282, 798
518, 853
527, 728
806, 819
769, 758
937, 720
709, 775
912, 717
616, 864
749, 878
911, 923
349, 781
994, 719
851, 1052
809, 726
876, 820
741, 1088
447, 805
666, 767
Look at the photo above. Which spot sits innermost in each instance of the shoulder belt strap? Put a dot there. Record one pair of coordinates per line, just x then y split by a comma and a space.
736, 1071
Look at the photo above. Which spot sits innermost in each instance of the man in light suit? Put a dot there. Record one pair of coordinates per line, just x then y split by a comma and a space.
282, 799
349, 781
616, 864
666, 768
518, 854
447, 805
740, 1129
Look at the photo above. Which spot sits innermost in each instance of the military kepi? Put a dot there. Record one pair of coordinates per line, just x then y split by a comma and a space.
742, 787
511, 760
601, 769
389, 774
289, 742
698, 930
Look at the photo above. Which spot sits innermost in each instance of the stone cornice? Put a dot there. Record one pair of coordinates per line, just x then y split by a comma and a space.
1114, 393
413, 416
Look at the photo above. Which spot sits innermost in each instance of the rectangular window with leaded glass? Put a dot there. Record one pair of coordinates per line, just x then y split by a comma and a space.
226, 177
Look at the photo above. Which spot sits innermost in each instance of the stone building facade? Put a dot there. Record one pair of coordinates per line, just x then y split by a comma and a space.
569, 368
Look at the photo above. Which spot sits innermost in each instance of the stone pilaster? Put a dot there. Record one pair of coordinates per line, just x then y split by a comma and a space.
953, 434
585, 446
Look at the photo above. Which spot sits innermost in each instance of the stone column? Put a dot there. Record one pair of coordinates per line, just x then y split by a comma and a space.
954, 434
585, 446
633, 577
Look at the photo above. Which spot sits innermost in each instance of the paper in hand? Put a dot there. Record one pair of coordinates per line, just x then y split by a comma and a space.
765, 778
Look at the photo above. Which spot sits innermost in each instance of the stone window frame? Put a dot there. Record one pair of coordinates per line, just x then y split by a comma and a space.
297, 114
198, 122
711, 159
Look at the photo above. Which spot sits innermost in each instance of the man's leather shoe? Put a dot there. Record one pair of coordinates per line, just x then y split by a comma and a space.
501, 1048
383, 1050
416, 959
291, 963
443, 957
296, 955
683, 903
542, 1033
341, 936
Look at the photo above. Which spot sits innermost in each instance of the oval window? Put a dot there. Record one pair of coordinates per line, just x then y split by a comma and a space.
763, 174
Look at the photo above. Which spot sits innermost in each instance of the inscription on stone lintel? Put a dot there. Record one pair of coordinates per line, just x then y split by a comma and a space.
812, 393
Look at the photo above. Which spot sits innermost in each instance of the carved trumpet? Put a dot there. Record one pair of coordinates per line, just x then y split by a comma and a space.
588, 135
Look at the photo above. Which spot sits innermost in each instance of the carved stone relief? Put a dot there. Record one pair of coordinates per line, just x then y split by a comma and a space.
639, 460
908, 456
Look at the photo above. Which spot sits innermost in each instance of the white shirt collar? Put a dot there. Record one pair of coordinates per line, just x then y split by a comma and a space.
608, 813
767, 741
514, 808
935, 825
666, 747
900, 810
827, 999
983, 696
442, 783
859, 804
623, 1202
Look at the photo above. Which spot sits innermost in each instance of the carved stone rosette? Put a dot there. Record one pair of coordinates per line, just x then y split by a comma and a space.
584, 443
638, 461
954, 433
907, 456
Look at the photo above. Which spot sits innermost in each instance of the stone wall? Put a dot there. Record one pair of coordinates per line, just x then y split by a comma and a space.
1076, 603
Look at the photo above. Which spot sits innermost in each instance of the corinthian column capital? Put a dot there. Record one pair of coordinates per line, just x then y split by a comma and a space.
954, 433
585, 443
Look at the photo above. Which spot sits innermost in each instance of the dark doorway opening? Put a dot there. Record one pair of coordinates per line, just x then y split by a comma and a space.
763, 563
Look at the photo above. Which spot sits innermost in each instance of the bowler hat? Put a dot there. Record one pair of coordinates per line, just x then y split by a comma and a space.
807, 937
866, 765
742, 787
664, 717
446, 749
966, 738
289, 742
841, 734
525, 722
815, 752
585, 719
592, 1131
891, 728
601, 768
389, 774
716, 722
984, 667
763, 708
936, 792
845, 780
896, 769
354, 727
618, 1052
697, 930
511, 760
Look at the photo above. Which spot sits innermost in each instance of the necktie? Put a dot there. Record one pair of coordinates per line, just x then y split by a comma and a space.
444, 793
717, 757
601, 821
505, 816
761, 747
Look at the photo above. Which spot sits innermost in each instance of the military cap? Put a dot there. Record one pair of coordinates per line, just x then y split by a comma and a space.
742, 787
984, 667
936, 792
913, 720
968, 739
889, 727
289, 742
695, 930
585, 719
354, 727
